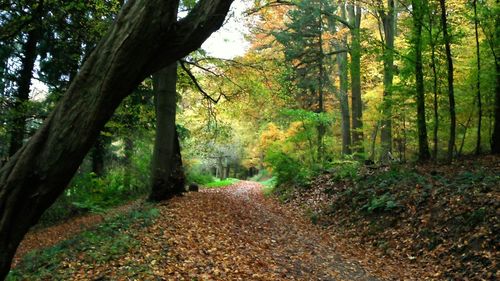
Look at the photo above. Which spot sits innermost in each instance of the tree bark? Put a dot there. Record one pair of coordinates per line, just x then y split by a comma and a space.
423, 145
177, 176
434, 90
451, 93
165, 82
386, 128
356, 102
145, 37
97, 155
478, 82
495, 136
343, 92
128, 151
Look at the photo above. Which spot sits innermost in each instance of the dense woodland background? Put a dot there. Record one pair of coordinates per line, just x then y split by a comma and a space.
326, 87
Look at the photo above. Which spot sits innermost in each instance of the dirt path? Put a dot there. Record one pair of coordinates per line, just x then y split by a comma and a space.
235, 233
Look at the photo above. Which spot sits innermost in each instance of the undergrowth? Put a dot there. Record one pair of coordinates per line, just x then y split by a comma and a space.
104, 243
220, 183
447, 214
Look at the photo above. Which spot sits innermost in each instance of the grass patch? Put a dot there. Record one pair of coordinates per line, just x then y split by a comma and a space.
221, 183
106, 242
269, 186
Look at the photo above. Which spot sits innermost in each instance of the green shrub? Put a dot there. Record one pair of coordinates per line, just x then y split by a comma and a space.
196, 175
287, 170
386, 202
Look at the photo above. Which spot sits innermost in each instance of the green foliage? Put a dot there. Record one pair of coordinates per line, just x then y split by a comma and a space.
220, 183
103, 244
344, 169
386, 202
90, 193
286, 169
269, 186
197, 175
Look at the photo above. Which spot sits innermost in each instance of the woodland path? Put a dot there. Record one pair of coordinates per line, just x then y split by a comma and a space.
234, 233
231, 233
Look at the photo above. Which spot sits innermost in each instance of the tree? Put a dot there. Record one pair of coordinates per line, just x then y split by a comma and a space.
166, 167
29, 50
493, 39
141, 41
304, 50
354, 18
418, 18
478, 82
388, 23
451, 92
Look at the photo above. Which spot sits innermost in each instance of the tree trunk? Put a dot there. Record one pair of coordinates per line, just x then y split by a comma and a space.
177, 177
18, 126
423, 145
97, 155
343, 93
165, 82
451, 93
128, 152
478, 82
495, 136
141, 41
386, 128
356, 102
434, 91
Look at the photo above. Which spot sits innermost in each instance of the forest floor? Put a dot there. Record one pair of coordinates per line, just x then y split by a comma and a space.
439, 221
231, 233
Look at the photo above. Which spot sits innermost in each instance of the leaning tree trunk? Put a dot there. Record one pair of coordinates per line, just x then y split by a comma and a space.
423, 144
451, 93
165, 82
145, 37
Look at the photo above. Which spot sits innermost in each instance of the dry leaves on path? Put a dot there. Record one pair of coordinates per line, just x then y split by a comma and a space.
232, 233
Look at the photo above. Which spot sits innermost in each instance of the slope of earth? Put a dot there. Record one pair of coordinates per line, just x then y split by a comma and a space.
440, 221
231, 233
45, 237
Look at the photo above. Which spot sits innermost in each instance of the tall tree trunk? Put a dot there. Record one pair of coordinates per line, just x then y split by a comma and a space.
434, 90
478, 82
386, 128
97, 155
128, 151
177, 177
321, 83
141, 41
18, 126
451, 93
356, 102
343, 91
165, 82
495, 136
418, 16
